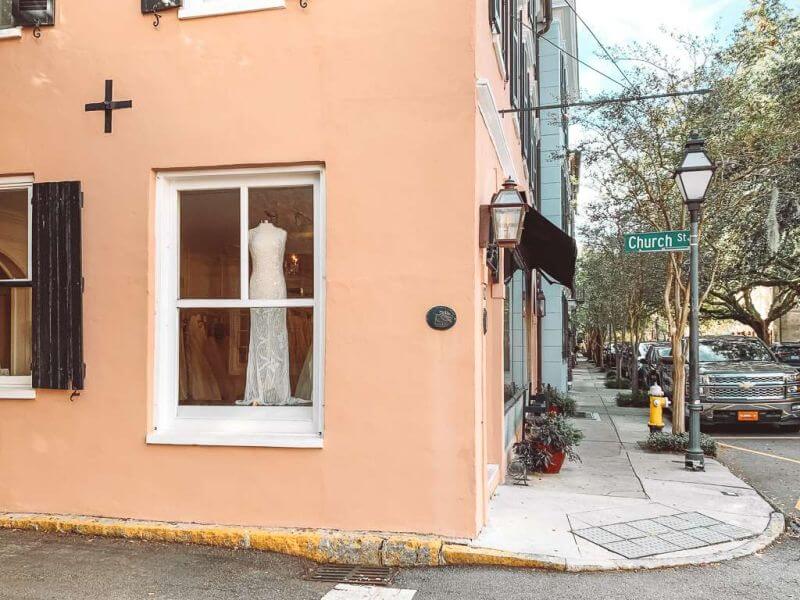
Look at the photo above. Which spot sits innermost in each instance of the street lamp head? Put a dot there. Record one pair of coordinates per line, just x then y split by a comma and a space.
508, 206
694, 174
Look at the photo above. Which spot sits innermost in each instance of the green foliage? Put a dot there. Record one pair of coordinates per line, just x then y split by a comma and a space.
618, 384
751, 223
552, 434
638, 399
564, 403
663, 441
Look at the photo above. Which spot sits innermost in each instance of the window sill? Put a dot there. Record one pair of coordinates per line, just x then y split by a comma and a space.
264, 440
11, 33
226, 7
17, 393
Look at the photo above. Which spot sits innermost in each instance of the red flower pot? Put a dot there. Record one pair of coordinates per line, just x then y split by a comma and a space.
556, 461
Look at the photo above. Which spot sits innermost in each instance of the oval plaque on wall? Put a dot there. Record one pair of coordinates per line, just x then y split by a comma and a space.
441, 317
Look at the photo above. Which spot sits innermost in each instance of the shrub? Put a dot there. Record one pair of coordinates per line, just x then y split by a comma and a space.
663, 441
564, 403
639, 399
551, 434
618, 384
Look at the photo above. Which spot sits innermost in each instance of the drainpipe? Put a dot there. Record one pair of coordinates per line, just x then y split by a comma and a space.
547, 5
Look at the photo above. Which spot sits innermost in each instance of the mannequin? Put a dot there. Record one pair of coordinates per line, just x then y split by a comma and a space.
268, 362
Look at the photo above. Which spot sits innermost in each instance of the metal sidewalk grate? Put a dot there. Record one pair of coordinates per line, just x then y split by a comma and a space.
356, 575
661, 535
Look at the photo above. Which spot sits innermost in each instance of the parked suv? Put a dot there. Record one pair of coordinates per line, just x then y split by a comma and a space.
788, 352
648, 373
742, 381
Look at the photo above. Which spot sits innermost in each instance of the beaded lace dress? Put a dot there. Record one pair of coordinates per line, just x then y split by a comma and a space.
268, 360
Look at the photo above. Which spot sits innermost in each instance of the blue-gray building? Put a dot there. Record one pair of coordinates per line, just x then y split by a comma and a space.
558, 84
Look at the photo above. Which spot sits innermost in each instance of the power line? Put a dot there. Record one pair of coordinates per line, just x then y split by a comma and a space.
596, 39
606, 101
585, 64
541, 37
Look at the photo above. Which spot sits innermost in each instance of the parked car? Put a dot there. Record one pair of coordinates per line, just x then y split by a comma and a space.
741, 381
787, 352
649, 365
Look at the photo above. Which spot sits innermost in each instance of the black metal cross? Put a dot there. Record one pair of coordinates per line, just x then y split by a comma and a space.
108, 104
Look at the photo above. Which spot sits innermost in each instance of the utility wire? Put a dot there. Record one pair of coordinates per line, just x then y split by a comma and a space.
585, 64
596, 39
600, 102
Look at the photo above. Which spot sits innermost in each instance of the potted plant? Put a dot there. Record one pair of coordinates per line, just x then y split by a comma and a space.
554, 440
560, 404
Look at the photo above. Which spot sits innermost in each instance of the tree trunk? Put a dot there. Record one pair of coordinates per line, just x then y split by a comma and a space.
678, 383
761, 327
634, 368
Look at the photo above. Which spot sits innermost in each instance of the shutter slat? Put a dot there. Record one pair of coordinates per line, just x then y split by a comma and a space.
151, 6
34, 12
57, 287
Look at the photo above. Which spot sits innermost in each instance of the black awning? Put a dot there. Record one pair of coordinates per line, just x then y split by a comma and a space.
544, 246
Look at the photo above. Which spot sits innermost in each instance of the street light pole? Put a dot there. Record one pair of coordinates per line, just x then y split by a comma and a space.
693, 177
695, 460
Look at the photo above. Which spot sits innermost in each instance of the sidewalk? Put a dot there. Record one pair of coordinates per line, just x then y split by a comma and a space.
629, 492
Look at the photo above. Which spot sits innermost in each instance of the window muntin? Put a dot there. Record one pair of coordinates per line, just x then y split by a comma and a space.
15, 284
204, 343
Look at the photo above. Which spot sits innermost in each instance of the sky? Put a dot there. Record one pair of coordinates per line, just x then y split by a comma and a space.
619, 22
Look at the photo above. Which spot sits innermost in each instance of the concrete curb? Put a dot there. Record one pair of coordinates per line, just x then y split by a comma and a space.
364, 548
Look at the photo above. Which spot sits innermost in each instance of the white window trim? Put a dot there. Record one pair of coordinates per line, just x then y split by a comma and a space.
20, 386
10, 33
279, 426
193, 9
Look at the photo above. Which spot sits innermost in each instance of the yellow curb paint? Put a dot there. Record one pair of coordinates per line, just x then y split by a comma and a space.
407, 551
319, 546
767, 454
455, 554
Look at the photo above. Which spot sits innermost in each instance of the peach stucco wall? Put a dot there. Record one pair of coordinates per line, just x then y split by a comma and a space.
489, 176
382, 93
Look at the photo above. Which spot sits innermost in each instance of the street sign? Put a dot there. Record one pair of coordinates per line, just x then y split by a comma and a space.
657, 241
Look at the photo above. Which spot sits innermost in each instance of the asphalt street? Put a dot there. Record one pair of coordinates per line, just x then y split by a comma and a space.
766, 458
35, 566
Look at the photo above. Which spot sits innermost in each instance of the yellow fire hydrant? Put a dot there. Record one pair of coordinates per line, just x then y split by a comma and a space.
657, 403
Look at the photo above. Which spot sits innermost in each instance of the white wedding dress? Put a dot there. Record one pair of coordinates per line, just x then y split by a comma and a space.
268, 361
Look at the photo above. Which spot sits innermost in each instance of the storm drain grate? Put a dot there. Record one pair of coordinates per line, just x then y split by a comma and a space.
355, 575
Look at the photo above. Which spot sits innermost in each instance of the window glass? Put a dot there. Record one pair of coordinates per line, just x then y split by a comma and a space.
281, 238
210, 244
246, 356
14, 234
723, 350
6, 18
15, 331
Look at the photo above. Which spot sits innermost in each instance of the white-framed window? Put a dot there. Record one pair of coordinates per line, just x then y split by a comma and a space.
205, 8
15, 287
240, 298
8, 27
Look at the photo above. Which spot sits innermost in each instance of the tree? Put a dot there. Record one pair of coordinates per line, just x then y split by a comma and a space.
633, 149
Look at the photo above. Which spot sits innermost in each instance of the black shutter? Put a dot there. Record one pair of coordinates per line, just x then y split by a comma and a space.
34, 13
495, 16
57, 286
150, 6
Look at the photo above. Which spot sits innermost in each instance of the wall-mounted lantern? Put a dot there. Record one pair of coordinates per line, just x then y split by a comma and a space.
541, 304
508, 209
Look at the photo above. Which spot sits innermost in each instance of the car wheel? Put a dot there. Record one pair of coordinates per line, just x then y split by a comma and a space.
791, 428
